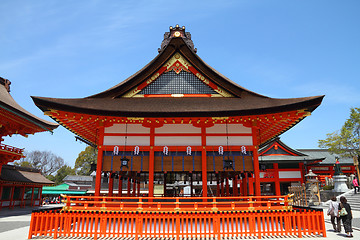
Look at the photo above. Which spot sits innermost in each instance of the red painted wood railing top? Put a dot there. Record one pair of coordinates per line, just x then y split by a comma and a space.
170, 204
11, 148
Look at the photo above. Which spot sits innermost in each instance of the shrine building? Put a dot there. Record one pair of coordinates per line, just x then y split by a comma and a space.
179, 122
18, 186
180, 142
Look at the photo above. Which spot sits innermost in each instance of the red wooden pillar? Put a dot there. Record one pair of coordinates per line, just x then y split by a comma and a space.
128, 187
151, 172
227, 187
40, 194
251, 185
204, 162
256, 160
138, 188
32, 197
301, 166
12, 202
99, 160
134, 187
244, 185
222, 186
235, 186
165, 176
277, 180
111, 185
191, 184
120, 187
204, 172
1, 190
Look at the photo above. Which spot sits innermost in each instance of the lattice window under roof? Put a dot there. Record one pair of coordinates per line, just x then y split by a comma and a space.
173, 83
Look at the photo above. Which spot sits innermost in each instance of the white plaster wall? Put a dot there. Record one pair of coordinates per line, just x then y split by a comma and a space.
289, 174
178, 141
233, 140
131, 128
232, 128
131, 140
178, 128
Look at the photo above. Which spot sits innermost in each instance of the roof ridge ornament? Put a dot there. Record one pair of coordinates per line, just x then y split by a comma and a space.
176, 32
6, 83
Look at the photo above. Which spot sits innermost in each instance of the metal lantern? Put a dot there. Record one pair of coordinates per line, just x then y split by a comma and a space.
262, 167
125, 162
92, 167
228, 163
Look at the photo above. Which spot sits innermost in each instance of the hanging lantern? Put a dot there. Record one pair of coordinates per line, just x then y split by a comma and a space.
124, 162
228, 163
262, 167
92, 167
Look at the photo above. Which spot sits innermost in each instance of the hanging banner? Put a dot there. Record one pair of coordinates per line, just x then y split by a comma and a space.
136, 150
221, 150
243, 149
116, 150
166, 150
188, 150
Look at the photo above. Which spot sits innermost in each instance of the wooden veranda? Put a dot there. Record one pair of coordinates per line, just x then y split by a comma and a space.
176, 218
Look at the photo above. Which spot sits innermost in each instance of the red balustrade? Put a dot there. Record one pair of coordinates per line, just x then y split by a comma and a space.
11, 148
150, 217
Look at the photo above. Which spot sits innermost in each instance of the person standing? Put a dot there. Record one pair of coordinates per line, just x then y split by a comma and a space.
356, 185
346, 218
333, 212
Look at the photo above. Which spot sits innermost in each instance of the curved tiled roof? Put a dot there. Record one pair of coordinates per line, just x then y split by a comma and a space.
232, 100
9, 104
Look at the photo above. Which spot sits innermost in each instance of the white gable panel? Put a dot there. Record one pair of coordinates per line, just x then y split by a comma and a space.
233, 141
178, 141
178, 128
131, 128
232, 128
289, 174
131, 140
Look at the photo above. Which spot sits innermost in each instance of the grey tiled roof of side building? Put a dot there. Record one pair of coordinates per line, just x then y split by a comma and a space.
324, 153
79, 178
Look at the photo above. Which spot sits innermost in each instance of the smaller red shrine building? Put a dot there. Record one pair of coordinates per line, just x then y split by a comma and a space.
21, 186
282, 166
17, 184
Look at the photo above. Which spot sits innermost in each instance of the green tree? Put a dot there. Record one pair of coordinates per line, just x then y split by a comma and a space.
61, 174
84, 160
346, 141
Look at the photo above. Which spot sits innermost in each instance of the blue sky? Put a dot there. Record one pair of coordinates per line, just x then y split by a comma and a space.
282, 49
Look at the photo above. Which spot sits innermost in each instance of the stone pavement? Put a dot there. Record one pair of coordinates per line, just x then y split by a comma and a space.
14, 225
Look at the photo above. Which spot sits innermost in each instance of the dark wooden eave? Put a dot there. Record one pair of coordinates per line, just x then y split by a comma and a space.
178, 107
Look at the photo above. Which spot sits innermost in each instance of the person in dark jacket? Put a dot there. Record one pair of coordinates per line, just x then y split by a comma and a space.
346, 219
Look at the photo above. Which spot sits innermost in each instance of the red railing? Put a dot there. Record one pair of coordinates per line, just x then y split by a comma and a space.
11, 148
165, 204
176, 225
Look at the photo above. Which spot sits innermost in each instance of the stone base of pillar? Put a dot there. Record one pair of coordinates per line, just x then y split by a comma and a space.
340, 183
